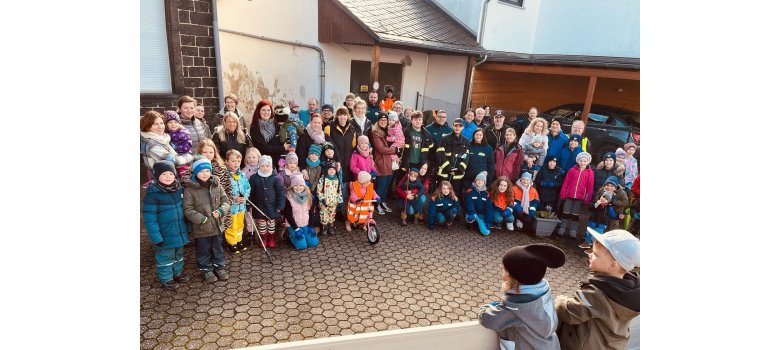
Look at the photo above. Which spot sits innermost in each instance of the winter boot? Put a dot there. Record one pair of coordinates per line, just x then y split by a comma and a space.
311, 238
209, 276
482, 227
403, 219
181, 278
169, 284
222, 275
416, 219
271, 237
573, 223
509, 225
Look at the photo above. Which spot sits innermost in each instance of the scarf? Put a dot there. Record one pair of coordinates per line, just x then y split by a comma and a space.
525, 202
312, 163
173, 187
317, 136
267, 128
205, 184
366, 153
361, 122
299, 198
164, 138
262, 174
479, 189
331, 177
536, 290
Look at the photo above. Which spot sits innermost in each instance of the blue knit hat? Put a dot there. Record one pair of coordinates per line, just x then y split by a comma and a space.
577, 137
315, 149
198, 166
612, 180
527, 175
608, 155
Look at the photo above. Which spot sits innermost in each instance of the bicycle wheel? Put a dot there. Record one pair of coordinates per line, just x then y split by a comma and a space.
373, 234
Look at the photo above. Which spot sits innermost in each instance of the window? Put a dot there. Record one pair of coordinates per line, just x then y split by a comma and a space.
518, 3
155, 61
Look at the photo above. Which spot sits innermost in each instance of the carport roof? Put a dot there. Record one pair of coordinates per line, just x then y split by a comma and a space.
567, 60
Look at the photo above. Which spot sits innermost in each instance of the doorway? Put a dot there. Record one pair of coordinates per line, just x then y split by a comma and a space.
360, 81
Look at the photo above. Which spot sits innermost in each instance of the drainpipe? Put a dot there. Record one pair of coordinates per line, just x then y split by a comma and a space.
218, 56
322, 55
482, 23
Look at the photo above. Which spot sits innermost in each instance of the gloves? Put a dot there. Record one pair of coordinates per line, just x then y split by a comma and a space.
470, 217
532, 212
507, 212
160, 244
373, 174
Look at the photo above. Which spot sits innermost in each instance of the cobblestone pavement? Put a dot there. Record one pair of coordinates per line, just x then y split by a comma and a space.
413, 277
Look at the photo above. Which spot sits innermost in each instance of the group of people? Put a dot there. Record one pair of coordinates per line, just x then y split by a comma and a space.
304, 169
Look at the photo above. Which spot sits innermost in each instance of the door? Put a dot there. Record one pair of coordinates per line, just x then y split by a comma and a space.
360, 75
390, 76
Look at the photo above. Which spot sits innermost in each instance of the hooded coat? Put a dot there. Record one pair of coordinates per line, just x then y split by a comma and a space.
164, 217
530, 324
268, 194
198, 204
548, 182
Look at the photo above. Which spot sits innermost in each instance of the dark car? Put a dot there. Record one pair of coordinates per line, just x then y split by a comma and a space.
607, 128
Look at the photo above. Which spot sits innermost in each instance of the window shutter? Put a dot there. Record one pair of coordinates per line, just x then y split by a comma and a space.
155, 62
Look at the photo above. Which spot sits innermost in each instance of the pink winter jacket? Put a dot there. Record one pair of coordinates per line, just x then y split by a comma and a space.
578, 184
359, 163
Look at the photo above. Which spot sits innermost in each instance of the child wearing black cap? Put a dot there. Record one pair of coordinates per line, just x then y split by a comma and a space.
548, 182
164, 221
330, 196
525, 317
599, 314
569, 154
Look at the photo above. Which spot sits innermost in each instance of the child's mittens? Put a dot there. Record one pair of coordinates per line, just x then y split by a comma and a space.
532, 211
373, 174
507, 212
470, 217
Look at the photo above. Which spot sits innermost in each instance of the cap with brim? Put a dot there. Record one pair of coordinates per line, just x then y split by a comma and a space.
623, 246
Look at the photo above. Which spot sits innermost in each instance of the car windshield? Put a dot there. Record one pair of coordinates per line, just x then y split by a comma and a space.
598, 118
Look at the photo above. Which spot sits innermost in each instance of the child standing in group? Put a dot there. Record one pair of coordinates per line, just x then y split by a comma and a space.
536, 148
208, 150
548, 182
395, 137
361, 190
329, 155
631, 164
290, 169
526, 201
411, 194
268, 195
313, 170
577, 189
164, 221
238, 195
569, 154
502, 199
330, 196
180, 136
205, 202
443, 207
525, 317
296, 213
599, 314
478, 206
251, 165
362, 160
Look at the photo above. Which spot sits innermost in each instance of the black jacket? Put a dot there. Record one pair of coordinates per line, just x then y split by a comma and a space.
267, 194
548, 183
231, 142
344, 140
495, 137
452, 153
426, 147
272, 147
304, 143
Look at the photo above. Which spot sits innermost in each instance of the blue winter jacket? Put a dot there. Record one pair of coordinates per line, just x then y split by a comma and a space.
548, 183
479, 203
440, 205
556, 144
240, 186
568, 158
468, 130
268, 195
437, 131
481, 158
164, 217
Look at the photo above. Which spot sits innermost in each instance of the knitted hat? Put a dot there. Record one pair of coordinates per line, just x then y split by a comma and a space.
381, 115
538, 138
612, 180
266, 159
297, 180
414, 170
621, 153
315, 149
326, 146
481, 176
291, 158
623, 246
585, 155
551, 158
392, 115
364, 177
282, 113
292, 104
528, 263
527, 175
630, 144
331, 164
577, 137
171, 115
198, 166
608, 155
608, 195
361, 138
327, 106
458, 121
162, 166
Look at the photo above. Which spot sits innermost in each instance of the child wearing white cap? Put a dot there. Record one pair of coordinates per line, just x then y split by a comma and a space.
599, 314
577, 189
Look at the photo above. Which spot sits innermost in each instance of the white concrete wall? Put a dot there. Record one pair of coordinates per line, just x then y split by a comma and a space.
510, 28
446, 77
469, 12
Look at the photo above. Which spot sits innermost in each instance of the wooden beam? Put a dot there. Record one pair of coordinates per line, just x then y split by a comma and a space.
466, 100
375, 62
588, 99
585, 72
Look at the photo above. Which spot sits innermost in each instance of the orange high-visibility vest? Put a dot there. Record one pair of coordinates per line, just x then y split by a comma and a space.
358, 212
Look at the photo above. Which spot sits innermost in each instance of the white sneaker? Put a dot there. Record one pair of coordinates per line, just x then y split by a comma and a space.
509, 226
386, 207
519, 224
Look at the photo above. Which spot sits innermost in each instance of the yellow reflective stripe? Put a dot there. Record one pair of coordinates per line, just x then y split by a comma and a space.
440, 149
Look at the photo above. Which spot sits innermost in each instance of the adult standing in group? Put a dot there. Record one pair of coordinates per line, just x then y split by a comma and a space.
482, 157
156, 144
231, 105
327, 113
265, 131
537, 126
509, 157
231, 136
349, 102
305, 115
556, 139
360, 122
578, 127
469, 126
344, 138
314, 134
439, 127
452, 157
198, 128
398, 107
383, 160
494, 134
388, 102
372, 113
521, 123
481, 119
418, 144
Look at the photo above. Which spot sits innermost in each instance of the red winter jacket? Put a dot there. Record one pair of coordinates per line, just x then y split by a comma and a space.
578, 184
509, 164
